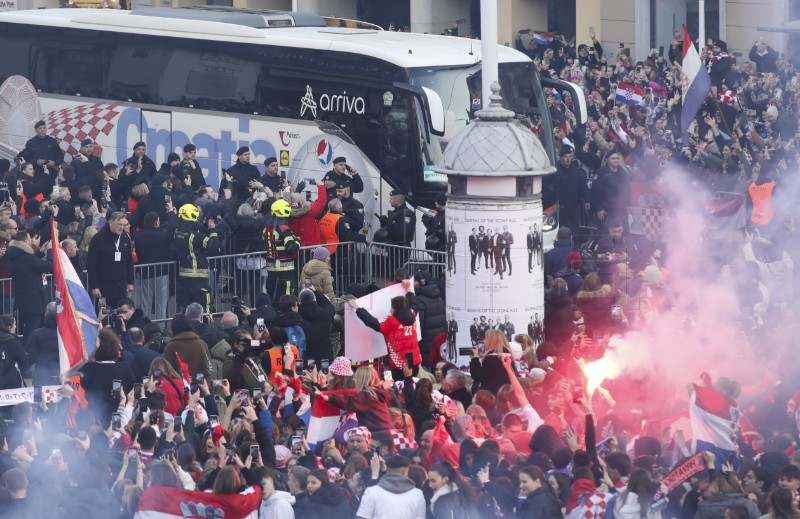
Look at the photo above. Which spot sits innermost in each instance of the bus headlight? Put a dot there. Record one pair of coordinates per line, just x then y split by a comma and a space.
550, 222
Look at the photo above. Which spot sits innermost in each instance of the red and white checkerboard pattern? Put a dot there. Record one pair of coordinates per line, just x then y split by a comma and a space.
648, 221
71, 125
400, 441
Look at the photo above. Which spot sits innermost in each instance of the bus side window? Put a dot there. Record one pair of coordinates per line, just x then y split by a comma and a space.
398, 132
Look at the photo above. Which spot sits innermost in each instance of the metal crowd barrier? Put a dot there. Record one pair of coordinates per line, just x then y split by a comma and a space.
245, 276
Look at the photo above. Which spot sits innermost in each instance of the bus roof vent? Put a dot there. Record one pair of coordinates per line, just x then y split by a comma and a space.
255, 18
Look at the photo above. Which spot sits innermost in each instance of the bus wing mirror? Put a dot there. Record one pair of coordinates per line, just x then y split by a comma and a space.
435, 111
578, 99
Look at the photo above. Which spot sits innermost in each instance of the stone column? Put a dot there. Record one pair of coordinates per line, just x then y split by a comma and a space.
494, 168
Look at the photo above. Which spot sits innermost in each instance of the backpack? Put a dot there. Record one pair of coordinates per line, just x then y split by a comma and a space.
297, 337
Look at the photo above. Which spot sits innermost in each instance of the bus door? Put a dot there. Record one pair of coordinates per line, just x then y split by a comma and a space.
156, 129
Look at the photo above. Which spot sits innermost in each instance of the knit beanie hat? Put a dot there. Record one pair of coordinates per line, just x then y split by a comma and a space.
321, 253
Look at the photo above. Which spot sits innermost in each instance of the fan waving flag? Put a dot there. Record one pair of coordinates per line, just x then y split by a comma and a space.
543, 38
629, 94
715, 420
173, 503
325, 418
76, 320
698, 83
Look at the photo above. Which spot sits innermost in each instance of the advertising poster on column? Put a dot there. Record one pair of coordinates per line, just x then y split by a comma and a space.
495, 273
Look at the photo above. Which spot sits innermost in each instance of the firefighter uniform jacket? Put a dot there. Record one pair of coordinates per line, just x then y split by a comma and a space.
282, 248
192, 249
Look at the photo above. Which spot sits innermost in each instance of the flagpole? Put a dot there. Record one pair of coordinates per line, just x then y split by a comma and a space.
702, 23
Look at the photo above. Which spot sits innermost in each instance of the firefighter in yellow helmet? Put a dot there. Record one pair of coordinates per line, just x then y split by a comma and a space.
194, 242
282, 249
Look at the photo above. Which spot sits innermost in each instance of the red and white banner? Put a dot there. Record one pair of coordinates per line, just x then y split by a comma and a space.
172, 503
684, 471
325, 418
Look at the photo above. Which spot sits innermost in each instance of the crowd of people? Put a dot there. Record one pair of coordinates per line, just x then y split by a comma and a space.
225, 406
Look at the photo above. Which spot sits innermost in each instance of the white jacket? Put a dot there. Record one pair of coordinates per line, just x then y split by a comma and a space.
277, 506
394, 497
630, 509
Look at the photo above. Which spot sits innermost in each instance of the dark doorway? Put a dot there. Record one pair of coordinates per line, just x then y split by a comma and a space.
380, 12
561, 17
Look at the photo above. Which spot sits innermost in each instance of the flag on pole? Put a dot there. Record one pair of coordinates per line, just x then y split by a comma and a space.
715, 420
629, 94
172, 503
698, 83
543, 38
76, 320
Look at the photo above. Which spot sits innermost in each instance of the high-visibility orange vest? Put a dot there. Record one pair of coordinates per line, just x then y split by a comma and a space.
38, 197
327, 230
763, 210
276, 362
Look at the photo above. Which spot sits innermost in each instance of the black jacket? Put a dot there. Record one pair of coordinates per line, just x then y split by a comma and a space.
45, 148
153, 246
26, 269
329, 502
149, 168
13, 362
541, 504
432, 312
490, 374
142, 357
248, 233
317, 319
241, 175
42, 349
86, 171
97, 384
111, 277
452, 505
156, 202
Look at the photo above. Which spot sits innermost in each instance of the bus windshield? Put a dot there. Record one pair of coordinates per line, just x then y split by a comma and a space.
459, 88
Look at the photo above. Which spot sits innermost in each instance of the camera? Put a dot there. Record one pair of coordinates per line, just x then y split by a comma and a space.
236, 307
114, 319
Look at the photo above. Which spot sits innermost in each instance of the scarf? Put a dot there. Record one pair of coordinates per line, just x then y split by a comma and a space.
714, 59
581, 490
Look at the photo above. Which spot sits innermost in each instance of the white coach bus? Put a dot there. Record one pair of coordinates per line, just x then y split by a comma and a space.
286, 84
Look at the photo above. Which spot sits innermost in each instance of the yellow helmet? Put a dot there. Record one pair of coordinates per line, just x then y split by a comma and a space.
189, 212
281, 208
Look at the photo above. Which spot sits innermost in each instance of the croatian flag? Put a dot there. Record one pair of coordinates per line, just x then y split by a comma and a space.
325, 418
76, 319
629, 94
698, 83
173, 503
543, 38
715, 421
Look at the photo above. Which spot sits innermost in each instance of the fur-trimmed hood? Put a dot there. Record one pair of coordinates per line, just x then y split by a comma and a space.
603, 291
24, 247
302, 209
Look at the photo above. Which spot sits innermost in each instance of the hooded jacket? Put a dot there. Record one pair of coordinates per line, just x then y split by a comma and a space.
321, 276
26, 269
429, 304
317, 320
713, 507
14, 362
277, 506
558, 319
303, 220
394, 497
219, 352
328, 502
155, 202
596, 308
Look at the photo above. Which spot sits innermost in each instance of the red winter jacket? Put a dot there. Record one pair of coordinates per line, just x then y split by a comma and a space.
305, 226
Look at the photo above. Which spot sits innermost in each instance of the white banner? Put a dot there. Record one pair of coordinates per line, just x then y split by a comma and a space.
495, 274
50, 394
361, 342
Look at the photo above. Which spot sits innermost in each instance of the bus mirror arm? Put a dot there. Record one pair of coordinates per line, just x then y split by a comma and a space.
579, 101
432, 106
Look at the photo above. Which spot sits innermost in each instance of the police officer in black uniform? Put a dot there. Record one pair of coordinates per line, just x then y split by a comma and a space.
338, 174
191, 167
434, 226
85, 164
193, 245
400, 221
352, 209
238, 178
42, 150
